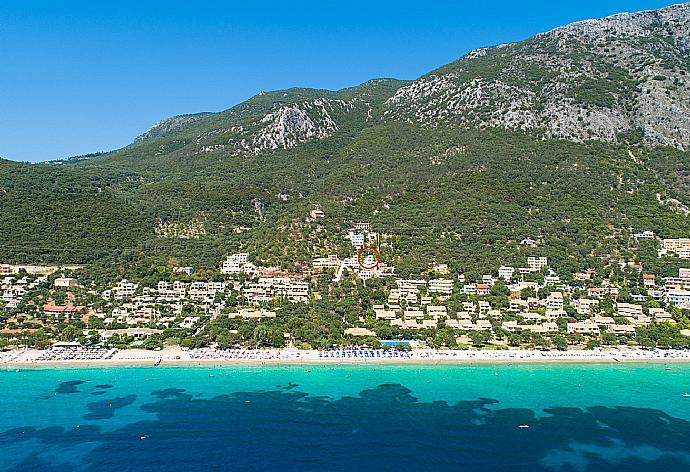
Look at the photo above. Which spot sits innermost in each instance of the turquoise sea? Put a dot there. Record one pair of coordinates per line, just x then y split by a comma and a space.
620, 417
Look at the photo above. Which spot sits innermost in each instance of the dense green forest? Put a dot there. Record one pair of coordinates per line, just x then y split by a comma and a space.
197, 187
470, 208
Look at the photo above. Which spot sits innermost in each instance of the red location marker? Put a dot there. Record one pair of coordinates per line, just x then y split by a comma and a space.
359, 257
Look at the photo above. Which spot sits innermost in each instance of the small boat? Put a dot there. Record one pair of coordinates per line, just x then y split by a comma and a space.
307, 371
144, 437
668, 368
686, 395
523, 426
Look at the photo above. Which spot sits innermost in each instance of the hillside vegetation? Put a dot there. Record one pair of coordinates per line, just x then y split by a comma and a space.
576, 138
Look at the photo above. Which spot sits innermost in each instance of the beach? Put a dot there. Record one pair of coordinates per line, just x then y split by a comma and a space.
176, 356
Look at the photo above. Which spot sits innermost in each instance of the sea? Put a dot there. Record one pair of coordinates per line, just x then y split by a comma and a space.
526, 417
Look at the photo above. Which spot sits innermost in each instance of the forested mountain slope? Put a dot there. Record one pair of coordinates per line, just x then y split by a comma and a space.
572, 138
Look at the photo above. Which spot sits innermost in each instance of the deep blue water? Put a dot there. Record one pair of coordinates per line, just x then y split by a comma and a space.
581, 418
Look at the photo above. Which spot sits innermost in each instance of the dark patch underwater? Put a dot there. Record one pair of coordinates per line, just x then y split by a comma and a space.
385, 428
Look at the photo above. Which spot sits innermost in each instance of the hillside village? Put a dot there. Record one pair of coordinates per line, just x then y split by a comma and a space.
355, 300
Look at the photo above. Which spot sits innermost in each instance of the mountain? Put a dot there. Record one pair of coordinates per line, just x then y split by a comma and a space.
620, 79
576, 138
268, 121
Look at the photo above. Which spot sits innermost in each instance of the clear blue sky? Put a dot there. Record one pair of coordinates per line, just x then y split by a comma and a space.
84, 76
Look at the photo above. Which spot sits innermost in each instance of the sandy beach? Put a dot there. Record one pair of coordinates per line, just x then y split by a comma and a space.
175, 356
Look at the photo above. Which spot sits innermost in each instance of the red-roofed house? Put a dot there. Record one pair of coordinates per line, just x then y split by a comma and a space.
50, 309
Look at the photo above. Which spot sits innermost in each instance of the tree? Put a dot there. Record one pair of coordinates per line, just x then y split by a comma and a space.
560, 343
480, 338
70, 333
262, 336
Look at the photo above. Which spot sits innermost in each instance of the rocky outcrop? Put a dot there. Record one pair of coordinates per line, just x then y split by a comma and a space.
289, 126
622, 78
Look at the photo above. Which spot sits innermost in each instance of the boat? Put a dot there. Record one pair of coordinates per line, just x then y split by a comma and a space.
523, 426
686, 395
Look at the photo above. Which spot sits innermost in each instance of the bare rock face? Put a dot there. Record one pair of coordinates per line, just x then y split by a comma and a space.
290, 125
625, 78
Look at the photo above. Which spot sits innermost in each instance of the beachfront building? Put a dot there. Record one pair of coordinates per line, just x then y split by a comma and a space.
661, 316
601, 292
384, 314
330, 262
357, 239
676, 245
359, 332
518, 305
648, 280
205, 291
251, 313
680, 298
410, 285
536, 264
469, 289
236, 264
554, 315
482, 289
442, 286
136, 333
172, 290
584, 306
50, 309
123, 289
585, 327
554, 301
183, 270
436, 312
316, 213
673, 283
272, 288
629, 310
645, 235
65, 282
513, 326
552, 280
620, 329
506, 273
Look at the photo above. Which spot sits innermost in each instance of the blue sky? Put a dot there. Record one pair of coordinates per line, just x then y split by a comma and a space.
84, 76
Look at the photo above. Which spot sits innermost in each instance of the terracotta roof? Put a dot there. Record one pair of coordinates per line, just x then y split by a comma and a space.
62, 309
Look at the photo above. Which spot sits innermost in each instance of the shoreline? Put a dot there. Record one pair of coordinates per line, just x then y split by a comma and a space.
175, 357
